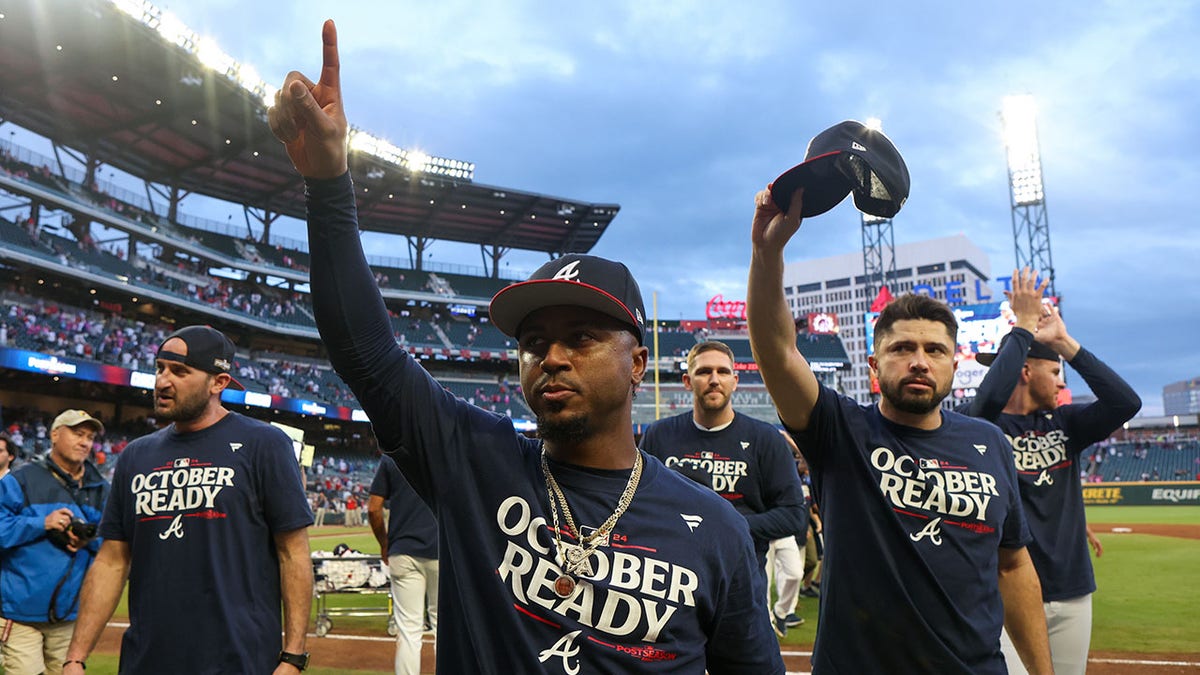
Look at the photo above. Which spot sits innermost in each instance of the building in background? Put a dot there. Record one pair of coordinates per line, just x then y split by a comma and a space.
952, 269
1182, 398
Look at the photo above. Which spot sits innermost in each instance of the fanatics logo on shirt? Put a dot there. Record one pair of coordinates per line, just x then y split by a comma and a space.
692, 521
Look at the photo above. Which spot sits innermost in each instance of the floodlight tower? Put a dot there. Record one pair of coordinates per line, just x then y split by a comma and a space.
879, 246
1031, 227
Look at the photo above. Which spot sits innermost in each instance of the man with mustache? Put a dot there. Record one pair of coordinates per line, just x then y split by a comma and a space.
208, 520
568, 553
744, 460
925, 554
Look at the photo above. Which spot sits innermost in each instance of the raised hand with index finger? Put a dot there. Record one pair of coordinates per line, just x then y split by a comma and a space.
309, 118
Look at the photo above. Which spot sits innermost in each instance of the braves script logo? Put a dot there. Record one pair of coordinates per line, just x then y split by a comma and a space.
564, 648
930, 530
1044, 479
929, 487
1035, 451
625, 595
568, 272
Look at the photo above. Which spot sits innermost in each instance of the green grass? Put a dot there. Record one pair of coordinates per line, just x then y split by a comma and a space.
1141, 515
1146, 599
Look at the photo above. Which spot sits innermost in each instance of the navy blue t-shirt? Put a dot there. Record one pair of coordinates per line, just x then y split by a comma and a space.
913, 521
747, 462
411, 529
673, 590
1046, 445
198, 511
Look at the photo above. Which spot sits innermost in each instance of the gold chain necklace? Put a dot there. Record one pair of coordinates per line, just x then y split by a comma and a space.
576, 559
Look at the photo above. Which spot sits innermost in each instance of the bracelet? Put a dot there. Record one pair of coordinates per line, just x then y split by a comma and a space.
82, 664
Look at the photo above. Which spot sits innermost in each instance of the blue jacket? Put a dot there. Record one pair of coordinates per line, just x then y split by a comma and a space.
40, 579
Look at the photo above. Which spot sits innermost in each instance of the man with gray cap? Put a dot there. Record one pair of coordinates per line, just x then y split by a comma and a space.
209, 516
48, 514
573, 552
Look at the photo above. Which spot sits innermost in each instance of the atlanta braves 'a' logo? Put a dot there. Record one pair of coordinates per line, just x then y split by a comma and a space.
1044, 479
568, 272
932, 530
176, 529
564, 648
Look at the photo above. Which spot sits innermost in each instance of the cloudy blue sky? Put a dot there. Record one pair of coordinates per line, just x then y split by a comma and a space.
680, 111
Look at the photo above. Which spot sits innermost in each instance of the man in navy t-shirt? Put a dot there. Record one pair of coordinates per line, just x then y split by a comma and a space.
925, 540
744, 460
569, 553
408, 545
208, 519
1020, 394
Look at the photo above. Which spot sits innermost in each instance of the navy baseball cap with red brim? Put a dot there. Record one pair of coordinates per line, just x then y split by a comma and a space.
846, 158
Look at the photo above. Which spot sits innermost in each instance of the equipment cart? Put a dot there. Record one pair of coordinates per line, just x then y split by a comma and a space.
356, 575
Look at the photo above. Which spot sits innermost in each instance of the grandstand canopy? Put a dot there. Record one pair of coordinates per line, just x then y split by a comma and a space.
92, 78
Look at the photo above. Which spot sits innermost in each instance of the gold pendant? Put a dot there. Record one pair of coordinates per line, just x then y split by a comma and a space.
564, 586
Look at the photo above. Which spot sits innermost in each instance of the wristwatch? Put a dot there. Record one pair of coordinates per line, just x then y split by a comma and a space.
298, 660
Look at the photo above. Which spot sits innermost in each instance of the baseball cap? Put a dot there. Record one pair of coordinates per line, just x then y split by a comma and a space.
580, 280
207, 349
73, 418
1037, 350
847, 157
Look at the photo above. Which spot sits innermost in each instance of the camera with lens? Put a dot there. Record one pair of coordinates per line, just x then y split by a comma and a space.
82, 529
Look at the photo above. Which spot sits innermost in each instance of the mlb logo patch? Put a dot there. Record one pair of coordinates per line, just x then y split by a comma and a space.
706, 455
928, 463
181, 463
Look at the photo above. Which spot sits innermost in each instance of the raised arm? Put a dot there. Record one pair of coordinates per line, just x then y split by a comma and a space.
396, 393
1116, 402
309, 118
788, 377
1002, 377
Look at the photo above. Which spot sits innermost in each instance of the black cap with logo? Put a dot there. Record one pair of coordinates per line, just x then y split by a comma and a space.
207, 349
579, 280
848, 157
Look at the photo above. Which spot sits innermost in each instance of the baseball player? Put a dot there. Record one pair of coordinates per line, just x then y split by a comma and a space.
1020, 395
569, 553
925, 553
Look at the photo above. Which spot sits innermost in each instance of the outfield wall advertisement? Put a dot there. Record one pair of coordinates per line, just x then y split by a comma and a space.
1142, 494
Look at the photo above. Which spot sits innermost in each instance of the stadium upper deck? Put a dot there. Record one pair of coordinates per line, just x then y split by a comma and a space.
102, 81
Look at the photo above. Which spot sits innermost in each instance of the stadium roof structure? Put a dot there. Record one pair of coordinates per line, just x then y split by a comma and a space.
98, 77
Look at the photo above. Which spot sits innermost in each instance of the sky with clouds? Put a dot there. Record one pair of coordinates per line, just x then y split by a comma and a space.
681, 111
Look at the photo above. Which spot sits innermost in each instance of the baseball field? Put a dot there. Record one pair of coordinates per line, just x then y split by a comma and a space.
1145, 611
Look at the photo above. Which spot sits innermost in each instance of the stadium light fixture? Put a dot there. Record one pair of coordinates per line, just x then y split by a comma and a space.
1019, 114
173, 30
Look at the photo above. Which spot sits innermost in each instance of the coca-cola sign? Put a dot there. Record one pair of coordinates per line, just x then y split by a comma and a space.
720, 308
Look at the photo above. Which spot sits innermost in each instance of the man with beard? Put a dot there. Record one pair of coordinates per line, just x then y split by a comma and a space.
573, 552
744, 460
1020, 395
208, 520
925, 553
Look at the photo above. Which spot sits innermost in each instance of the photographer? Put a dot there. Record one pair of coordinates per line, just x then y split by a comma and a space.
48, 515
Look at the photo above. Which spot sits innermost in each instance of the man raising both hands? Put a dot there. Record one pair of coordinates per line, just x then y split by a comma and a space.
925, 530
